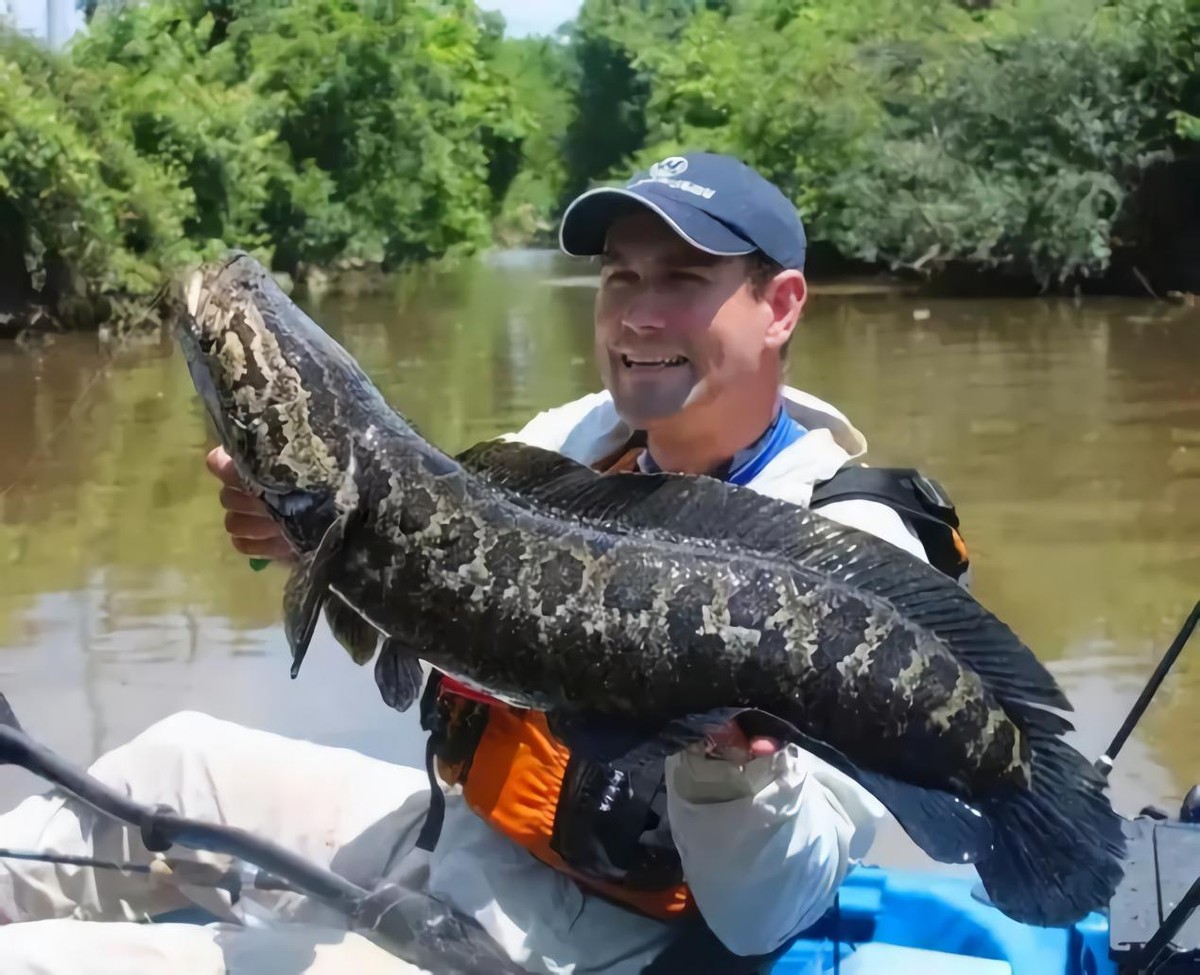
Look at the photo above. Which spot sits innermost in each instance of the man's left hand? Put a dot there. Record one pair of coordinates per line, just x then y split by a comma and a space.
732, 744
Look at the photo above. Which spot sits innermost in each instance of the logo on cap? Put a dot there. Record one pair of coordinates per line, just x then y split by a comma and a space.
669, 168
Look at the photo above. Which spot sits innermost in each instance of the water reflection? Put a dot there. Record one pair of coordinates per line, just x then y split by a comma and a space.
1068, 433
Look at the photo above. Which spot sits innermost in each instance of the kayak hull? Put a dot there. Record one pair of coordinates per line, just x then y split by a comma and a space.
925, 923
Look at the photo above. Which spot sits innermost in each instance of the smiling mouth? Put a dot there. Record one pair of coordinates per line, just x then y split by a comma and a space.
631, 363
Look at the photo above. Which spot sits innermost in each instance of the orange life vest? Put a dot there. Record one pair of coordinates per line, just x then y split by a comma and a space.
513, 769
513, 780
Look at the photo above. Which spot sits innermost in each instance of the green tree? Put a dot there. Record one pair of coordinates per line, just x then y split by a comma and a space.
543, 77
314, 133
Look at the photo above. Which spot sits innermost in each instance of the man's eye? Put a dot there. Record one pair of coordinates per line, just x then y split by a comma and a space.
620, 277
686, 276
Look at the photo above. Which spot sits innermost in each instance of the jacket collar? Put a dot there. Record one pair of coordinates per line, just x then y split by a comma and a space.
589, 430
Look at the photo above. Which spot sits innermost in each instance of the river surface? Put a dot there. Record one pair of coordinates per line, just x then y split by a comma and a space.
1068, 433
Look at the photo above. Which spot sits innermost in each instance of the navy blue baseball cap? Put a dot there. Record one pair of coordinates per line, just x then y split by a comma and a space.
714, 202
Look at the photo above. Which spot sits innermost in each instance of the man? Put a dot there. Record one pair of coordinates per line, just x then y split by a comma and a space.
713, 863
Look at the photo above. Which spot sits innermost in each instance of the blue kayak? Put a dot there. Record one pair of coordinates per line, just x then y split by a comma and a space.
912, 922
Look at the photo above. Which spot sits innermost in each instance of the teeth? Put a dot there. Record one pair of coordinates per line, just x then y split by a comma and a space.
675, 361
195, 286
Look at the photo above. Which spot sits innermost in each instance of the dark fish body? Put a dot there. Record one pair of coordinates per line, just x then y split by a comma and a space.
657, 607
560, 614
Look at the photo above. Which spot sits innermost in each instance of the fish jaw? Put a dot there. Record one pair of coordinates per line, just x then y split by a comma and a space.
283, 397
258, 391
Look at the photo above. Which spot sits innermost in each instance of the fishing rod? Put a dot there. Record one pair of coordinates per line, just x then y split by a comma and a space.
1104, 763
169, 869
1158, 950
414, 926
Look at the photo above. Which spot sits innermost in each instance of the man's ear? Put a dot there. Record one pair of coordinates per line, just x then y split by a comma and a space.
786, 294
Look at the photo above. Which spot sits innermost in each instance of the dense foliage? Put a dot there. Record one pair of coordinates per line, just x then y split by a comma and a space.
310, 132
917, 133
914, 132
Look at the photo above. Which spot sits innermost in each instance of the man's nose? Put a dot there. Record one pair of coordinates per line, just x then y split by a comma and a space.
645, 312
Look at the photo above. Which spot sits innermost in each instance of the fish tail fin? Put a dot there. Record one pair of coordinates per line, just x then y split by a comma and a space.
1057, 847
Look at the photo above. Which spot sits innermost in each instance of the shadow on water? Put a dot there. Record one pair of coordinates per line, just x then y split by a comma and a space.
1068, 434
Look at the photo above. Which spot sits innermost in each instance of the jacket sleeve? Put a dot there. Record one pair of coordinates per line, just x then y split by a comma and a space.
765, 846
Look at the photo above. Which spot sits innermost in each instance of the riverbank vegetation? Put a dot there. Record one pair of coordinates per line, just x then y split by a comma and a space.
1023, 143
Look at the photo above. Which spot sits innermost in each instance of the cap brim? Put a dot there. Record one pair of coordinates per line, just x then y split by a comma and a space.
584, 227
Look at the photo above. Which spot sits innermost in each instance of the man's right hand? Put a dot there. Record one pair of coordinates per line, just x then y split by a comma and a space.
252, 530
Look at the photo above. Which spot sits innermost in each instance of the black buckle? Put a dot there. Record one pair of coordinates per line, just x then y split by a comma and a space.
935, 498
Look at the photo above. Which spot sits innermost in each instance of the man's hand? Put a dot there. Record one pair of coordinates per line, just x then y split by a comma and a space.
252, 531
732, 744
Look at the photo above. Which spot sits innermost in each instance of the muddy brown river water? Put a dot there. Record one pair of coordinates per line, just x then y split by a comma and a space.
1067, 432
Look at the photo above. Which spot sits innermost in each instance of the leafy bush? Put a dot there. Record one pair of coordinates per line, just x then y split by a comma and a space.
919, 132
311, 133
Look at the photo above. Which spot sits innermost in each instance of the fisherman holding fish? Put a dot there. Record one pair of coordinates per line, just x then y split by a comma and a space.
715, 862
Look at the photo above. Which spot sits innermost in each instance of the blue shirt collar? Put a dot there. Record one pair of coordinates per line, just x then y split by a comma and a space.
749, 462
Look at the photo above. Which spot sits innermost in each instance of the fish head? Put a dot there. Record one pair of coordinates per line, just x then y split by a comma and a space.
286, 400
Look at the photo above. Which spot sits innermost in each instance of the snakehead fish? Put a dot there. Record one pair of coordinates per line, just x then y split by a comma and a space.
652, 607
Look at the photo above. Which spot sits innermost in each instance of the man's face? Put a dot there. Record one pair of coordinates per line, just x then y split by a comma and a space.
677, 329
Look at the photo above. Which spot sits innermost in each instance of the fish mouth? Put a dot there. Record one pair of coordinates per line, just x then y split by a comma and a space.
199, 340
205, 327
647, 362
195, 323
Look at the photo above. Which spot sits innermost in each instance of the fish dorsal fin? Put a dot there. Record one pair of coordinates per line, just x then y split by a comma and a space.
534, 474
702, 510
520, 465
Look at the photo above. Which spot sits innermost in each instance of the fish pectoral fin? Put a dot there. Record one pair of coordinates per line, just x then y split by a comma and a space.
355, 634
307, 588
301, 605
398, 675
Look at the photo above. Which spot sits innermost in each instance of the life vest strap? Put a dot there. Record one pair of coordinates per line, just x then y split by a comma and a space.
431, 829
912, 495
